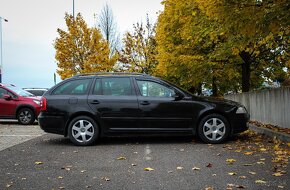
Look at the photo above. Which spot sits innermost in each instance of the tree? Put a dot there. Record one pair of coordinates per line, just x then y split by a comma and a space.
108, 27
81, 49
187, 40
139, 52
250, 26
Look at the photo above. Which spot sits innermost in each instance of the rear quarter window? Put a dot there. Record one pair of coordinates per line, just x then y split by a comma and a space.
75, 87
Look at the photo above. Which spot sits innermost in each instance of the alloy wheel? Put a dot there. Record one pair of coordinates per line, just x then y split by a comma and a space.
214, 129
83, 131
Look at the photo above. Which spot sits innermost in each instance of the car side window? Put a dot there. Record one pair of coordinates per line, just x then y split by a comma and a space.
75, 87
153, 89
2, 92
97, 87
116, 86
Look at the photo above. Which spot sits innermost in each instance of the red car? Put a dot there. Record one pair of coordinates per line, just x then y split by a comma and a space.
19, 104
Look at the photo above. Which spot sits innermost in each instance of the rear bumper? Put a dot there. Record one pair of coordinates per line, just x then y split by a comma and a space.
52, 124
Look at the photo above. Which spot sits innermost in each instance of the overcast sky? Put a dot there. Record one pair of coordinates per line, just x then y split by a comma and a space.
28, 53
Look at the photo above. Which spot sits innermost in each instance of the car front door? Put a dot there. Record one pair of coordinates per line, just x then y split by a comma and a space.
115, 103
160, 111
7, 107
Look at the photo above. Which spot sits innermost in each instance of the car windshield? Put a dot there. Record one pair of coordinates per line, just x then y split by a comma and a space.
20, 92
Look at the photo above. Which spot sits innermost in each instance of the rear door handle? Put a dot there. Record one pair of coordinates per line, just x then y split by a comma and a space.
144, 103
95, 102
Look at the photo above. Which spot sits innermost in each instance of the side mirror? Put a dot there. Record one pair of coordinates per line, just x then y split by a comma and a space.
7, 97
177, 96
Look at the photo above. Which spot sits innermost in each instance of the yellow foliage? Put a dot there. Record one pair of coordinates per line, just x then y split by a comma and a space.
81, 49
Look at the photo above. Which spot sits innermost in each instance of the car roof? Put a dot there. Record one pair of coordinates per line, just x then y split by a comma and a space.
111, 74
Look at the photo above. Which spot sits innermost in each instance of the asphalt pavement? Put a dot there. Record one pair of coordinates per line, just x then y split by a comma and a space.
49, 161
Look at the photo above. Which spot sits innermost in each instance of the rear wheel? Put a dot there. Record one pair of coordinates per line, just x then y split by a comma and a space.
83, 131
213, 128
26, 116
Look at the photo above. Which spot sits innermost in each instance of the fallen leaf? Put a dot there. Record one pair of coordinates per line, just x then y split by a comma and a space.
209, 165
121, 158
61, 188
38, 163
232, 173
240, 186
253, 173
230, 160
263, 149
260, 162
209, 188
259, 181
60, 177
248, 153
83, 171
242, 177
106, 178
133, 164
280, 186
213, 175
263, 159
179, 168
277, 174
148, 169
8, 185
195, 168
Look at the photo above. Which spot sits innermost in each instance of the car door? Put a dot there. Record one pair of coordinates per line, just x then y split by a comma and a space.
7, 107
114, 101
159, 110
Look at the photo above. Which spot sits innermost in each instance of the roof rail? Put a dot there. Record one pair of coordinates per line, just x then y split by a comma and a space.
110, 73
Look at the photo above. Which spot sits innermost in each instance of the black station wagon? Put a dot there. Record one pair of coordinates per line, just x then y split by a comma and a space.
89, 106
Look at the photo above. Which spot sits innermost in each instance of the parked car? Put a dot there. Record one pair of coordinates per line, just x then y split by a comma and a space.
36, 91
89, 106
19, 104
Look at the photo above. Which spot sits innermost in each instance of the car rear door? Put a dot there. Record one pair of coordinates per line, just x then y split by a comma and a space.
115, 103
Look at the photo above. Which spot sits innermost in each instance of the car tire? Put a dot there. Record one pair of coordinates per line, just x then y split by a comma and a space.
26, 116
83, 131
213, 129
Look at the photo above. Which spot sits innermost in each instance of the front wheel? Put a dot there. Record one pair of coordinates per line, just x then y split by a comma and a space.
83, 131
213, 128
26, 116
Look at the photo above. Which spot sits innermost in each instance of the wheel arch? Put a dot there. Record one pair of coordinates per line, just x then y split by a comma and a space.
19, 107
81, 113
212, 111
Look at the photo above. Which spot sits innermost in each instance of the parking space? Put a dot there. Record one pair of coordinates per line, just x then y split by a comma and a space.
11, 133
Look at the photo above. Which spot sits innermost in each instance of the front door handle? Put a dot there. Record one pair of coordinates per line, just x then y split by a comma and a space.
95, 102
144, 103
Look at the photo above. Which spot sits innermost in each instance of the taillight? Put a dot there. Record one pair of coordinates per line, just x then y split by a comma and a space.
43, 104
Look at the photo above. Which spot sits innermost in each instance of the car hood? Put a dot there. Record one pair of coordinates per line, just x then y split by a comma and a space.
219, 101
33, 97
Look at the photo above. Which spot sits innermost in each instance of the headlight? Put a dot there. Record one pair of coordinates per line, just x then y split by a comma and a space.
37, 102
241, 110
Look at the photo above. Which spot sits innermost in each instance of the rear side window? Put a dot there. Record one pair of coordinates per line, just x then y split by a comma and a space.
75, 87
116, 86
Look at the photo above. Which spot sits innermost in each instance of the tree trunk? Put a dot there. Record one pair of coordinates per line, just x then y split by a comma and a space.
214, 88
246, 71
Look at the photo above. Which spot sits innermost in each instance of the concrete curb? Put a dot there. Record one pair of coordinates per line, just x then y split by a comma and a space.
270, 133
